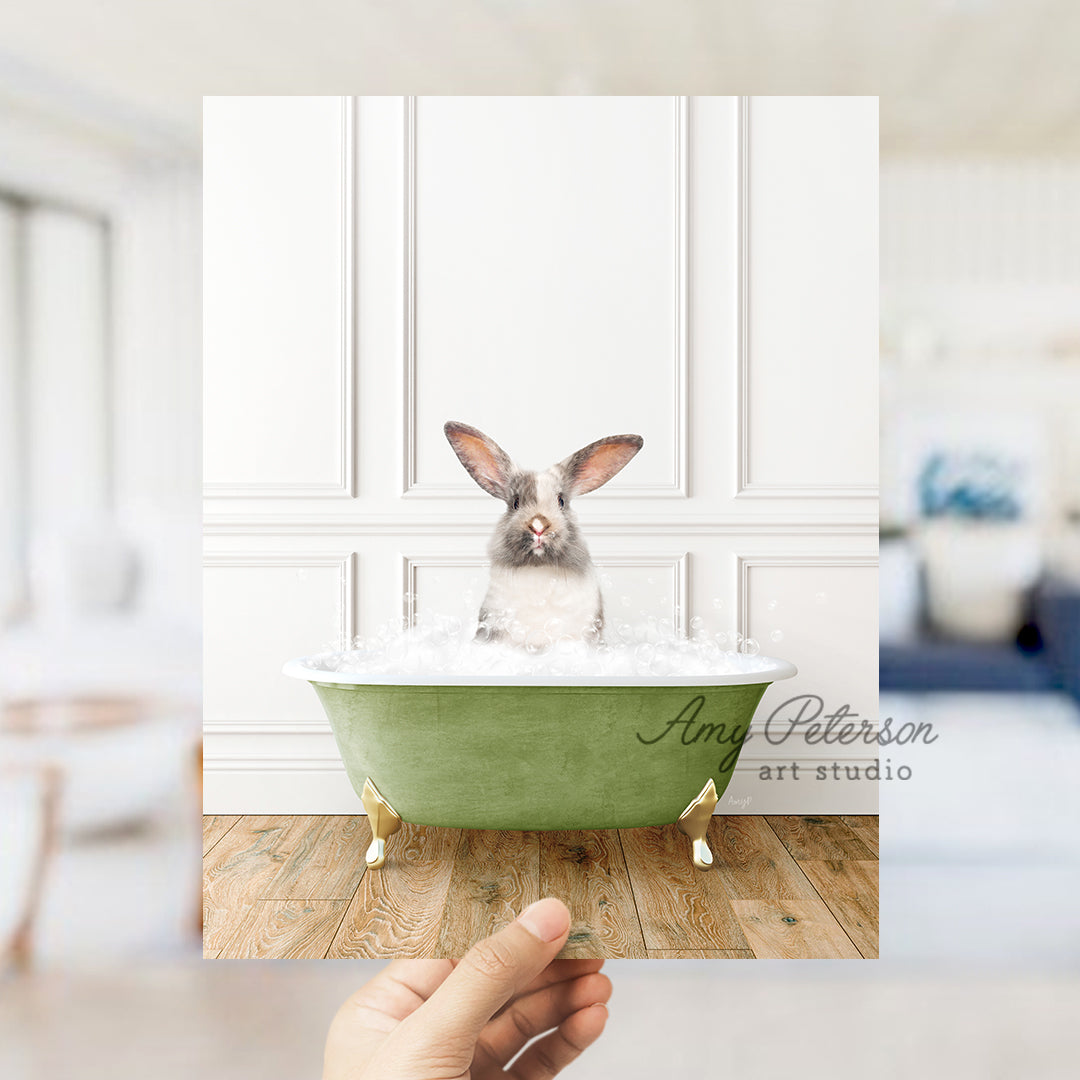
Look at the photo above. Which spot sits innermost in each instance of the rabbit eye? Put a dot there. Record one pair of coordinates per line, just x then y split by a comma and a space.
562, 505
517, 501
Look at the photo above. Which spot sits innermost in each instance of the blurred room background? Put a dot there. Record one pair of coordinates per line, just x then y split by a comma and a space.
980, 545
99, 478
99, 549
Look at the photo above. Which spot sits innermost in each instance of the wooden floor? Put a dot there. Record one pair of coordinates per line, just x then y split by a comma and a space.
781, 887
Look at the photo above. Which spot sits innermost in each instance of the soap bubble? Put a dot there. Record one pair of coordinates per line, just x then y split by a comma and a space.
717, 603
777, 635
821, 598
625, 601
644, 654
651, 647
772, 605
751, 647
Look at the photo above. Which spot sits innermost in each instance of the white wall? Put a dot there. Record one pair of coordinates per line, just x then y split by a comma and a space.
702, 271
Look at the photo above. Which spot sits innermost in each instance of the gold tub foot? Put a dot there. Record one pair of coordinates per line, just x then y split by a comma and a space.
694, 821
384, 821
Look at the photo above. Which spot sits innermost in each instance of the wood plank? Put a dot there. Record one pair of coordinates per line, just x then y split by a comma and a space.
238, 868
587, 871
285, 930
396, 910
701, 954
214, 827
818, 838
327, 862
753, 864
865, 827
792, 931
859, 821
679, 907
850, 888
496, 876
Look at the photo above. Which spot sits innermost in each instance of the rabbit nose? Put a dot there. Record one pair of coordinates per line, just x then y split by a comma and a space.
539, 524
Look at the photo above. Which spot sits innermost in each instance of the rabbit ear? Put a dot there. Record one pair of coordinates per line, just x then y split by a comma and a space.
483, 458
598, 462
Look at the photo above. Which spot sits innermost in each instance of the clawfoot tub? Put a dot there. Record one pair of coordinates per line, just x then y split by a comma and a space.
530, 752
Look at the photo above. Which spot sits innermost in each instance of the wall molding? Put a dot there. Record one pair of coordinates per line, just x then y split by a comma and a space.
754, 490
272, 764
335, 764
679, 565
745, 487
679, 487
236, 786
344, 487
745, 563
401, 524
311, 727
410, 564
345, 563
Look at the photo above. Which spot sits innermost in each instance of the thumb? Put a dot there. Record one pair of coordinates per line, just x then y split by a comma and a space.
491, 973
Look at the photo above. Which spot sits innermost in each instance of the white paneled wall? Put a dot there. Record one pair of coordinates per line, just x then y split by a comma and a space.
811, 298
702, 271
278, 341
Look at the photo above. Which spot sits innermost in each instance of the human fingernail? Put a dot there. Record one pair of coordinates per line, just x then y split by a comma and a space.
547, 919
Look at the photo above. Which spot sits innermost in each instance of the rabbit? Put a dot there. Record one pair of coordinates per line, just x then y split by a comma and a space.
543, 585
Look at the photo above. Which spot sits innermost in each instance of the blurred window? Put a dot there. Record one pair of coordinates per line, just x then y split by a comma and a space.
55, 381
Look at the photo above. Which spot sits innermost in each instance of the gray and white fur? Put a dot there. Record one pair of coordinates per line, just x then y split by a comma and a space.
543, 584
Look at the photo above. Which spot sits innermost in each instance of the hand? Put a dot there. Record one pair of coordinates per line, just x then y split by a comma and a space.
466, 1019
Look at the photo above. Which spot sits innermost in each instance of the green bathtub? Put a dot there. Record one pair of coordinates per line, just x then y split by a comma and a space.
539, 753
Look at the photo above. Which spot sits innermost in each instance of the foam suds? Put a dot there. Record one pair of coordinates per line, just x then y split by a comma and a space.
445, 645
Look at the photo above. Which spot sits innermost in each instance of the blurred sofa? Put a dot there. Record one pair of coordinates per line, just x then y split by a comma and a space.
1045, 656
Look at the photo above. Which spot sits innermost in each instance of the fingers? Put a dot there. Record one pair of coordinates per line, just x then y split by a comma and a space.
418, 978
491, 973
371, 1014
533, 1014
558, 971
548, 1056
396, 992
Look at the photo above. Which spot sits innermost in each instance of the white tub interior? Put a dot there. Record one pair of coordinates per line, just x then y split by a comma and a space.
768, 669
